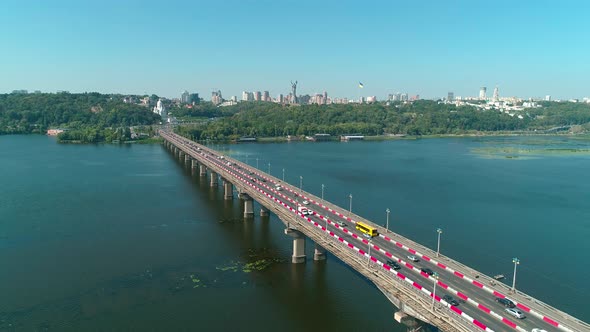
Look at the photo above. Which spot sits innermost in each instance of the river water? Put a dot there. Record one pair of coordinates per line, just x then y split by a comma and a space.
107, 237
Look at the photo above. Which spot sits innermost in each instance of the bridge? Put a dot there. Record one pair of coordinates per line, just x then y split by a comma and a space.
424, 285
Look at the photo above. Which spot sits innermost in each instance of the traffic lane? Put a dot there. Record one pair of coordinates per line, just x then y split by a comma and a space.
416, 275
424, 283
482, 298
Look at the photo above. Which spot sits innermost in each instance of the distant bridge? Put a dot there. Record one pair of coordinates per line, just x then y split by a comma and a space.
413, 288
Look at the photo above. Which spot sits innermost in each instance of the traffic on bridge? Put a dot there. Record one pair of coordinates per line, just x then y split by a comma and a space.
445, 292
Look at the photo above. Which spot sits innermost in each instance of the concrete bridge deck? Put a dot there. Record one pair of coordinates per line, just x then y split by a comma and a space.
409, 288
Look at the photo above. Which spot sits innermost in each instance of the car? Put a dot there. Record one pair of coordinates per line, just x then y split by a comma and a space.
538, 330
340, 223
228, 163
515, 312
450, 300
393, 264
427, 271
279, 188
505, 302
263, 180
305, 202
253, 179
413, 258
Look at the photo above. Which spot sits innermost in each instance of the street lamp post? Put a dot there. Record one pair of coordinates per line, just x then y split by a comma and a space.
369, 253
387, 222
323, 192
516, 261
435, 278
246, 159
350, 205
256, 162
301, 185
439, 231
283, 175
268, 168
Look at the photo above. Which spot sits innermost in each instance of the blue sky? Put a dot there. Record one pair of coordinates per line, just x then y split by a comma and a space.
527, 48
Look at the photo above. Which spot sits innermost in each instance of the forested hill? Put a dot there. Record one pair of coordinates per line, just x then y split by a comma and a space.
418, 118
34, 113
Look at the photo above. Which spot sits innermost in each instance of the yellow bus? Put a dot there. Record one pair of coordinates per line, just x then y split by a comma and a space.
371, 231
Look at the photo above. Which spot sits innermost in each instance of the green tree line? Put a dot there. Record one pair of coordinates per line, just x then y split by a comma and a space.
35, 113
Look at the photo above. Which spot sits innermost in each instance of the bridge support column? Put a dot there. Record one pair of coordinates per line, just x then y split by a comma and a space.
228, 190
202, 170
187, 159
248, 206
264, 212
181, 154
195, 164
213, 182
298, 246
319, 253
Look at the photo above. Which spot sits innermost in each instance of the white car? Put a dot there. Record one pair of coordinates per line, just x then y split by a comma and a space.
413, 258
341, 223
538, 330
279, 188
305, 202
515, 312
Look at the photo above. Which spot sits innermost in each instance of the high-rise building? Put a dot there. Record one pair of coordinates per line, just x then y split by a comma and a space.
184, 97
547, 98
257, 96
280, 99
234, 99
265, 96
216, 97
450, 97
496, 96
194, 98
482, 93
325, 98
403, 97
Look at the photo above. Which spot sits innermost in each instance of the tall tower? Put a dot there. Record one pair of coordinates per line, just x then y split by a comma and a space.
482, 93
294, 92
496, 95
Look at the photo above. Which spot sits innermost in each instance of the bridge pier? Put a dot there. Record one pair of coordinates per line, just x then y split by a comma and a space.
187, 159
298, 246
202, 170
248, 205
194, 164
319, 253
181, 154
213, 181
228, 190
264, 212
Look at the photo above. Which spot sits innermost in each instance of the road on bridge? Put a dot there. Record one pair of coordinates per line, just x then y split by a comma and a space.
476, 299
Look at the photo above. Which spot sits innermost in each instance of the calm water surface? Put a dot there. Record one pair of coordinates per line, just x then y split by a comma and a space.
123, 237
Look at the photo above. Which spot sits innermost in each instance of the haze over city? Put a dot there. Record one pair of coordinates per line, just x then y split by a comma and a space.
528, 49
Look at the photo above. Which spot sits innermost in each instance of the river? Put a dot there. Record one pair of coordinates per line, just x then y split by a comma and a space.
109, 237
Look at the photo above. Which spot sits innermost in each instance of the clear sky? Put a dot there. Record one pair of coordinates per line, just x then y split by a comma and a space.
528, 48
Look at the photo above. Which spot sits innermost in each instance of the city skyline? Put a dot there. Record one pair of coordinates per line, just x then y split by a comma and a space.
528, 49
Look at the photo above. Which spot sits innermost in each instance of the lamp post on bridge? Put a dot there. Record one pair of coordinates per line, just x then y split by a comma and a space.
323, 193
369, 253
283, 175
256, 162
516, 262
350, 205
435, 278
301, 186
268, 168
246, 159
387, 222
439, 231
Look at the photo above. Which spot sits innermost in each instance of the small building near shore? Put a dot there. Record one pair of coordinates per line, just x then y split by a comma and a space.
321, 137
54, 132
346, 138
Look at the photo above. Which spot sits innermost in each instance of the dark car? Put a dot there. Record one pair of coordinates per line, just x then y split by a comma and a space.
505, 302
392, 264
427, 271
450, 300
253, 179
